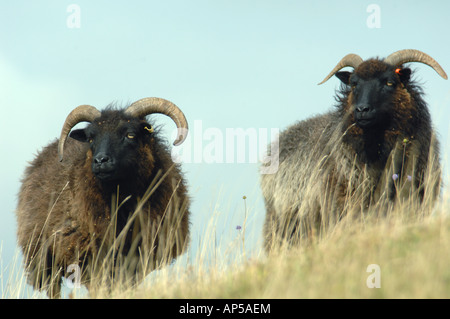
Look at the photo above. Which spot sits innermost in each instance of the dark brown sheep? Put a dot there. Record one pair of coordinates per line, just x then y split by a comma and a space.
109, 201
377, 146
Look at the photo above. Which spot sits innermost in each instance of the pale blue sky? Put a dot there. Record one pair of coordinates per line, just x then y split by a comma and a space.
230, 64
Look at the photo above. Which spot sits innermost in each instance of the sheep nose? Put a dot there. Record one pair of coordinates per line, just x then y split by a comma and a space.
363, 108
101, 159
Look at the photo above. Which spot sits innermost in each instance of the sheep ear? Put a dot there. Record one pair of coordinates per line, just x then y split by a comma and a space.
79, 135
404, 74
147, 128
344, 76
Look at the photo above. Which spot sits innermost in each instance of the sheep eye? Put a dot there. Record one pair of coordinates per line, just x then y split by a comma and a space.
389, 83
131, 135
91, 140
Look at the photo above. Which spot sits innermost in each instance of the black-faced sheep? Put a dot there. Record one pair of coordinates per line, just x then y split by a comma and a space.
377, 146
109, 200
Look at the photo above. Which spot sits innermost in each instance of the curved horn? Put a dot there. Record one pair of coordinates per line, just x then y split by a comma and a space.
82, 113
409, 55
151, 105
351, 59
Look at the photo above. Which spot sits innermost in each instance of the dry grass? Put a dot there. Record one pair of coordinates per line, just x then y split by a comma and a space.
411, 245
413, 256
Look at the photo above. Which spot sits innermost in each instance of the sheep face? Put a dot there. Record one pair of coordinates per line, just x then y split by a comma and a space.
375, 90
114, 141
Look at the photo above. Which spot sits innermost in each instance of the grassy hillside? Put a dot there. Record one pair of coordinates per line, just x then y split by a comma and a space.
411, 247
413, 255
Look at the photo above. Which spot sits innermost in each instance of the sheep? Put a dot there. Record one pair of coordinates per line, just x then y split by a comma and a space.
377, 146
108, 202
